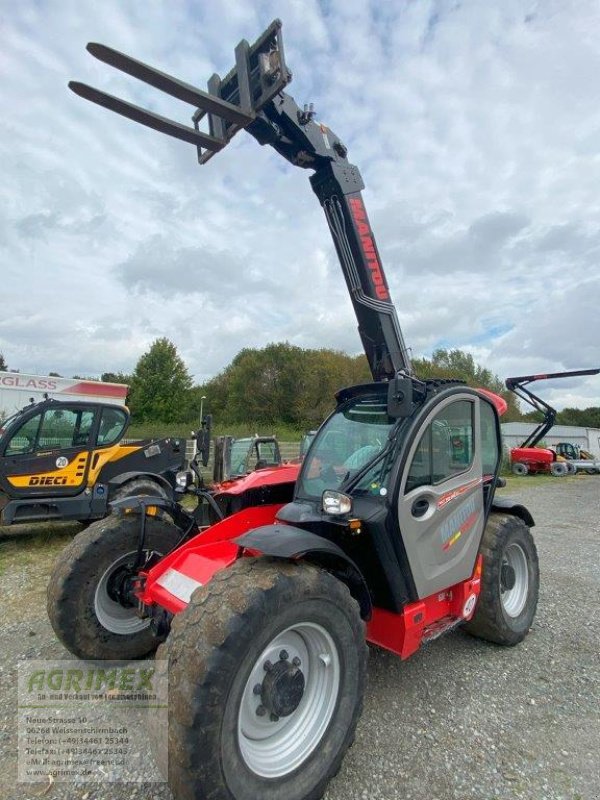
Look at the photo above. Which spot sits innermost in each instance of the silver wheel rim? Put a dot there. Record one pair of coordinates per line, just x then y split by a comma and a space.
270, 748
513, 600
112, 615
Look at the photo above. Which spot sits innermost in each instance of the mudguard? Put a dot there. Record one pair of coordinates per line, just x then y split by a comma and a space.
119, 480
507, 506
287, 541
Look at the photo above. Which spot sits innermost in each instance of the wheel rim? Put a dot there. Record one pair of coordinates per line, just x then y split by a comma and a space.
274, 746
113, 616
514, 563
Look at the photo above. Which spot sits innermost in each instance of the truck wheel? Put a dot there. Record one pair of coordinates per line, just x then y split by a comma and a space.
88, 613
558, 469
509, 584
267, 673
518, 468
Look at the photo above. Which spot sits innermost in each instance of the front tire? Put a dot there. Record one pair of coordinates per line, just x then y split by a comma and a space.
267, 669
558, 469
519, 468
509, 584
83, 605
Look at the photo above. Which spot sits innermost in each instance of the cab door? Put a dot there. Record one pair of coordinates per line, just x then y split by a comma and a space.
441, 508
49, 454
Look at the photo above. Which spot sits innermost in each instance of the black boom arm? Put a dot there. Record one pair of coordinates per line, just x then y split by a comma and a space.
251, 97
519, 387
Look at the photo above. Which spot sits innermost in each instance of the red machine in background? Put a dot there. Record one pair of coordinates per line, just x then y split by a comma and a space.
528, 457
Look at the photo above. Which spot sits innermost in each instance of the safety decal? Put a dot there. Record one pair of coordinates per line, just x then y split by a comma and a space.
62, 462
469, 605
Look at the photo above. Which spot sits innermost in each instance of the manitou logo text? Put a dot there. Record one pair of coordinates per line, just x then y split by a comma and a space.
47, 481
359, 215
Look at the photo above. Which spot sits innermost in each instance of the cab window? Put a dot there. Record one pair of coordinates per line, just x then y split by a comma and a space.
490, 446
267, 454
54, 429
112, 425
23, 440
445, 448
64, 428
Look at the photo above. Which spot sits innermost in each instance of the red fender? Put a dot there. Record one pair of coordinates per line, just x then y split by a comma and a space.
171, 582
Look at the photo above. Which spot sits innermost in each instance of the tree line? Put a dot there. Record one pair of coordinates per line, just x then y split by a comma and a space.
282, 383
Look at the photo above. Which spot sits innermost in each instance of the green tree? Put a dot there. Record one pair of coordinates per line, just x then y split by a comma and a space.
3, 365
586, 417
116, 377
460, 365
263, 384
281, 383
160, 385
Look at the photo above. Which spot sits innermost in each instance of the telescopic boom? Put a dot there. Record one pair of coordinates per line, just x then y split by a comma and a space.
251, 97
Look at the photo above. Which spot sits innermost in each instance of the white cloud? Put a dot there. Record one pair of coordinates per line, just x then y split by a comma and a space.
476, 127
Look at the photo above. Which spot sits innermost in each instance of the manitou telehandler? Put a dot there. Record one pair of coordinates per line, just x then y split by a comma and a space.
527, 457
65, 460
389, 532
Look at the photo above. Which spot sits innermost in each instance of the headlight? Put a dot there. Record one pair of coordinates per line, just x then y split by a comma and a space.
183, 479
336, 502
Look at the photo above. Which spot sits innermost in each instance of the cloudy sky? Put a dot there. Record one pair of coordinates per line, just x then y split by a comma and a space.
476, 126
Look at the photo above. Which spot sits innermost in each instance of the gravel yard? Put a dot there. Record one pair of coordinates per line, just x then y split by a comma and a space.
460, 720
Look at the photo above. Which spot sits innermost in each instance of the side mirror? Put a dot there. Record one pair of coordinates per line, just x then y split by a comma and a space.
400, 397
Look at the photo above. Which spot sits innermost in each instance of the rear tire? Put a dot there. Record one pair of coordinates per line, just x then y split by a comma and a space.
509, 584
520, 469
267, 669
558, 469
81, 602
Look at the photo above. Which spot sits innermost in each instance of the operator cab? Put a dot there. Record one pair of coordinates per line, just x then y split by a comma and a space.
411, 491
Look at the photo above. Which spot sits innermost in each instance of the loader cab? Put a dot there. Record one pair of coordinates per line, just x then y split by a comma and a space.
405, 497
47, 447
568, 450
235, 458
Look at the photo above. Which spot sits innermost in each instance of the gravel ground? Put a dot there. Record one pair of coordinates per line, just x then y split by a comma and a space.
460, 720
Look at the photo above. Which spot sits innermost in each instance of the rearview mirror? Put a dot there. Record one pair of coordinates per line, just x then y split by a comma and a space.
400, 397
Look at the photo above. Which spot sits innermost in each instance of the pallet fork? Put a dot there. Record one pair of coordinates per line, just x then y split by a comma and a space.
251, 97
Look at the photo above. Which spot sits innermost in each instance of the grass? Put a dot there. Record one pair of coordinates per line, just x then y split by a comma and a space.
514, 482
285, 433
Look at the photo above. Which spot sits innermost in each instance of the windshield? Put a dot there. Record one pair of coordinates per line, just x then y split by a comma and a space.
350, 439
6, 423
239, 456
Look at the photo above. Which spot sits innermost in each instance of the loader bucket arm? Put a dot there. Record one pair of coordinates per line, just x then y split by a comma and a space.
251, 97
518, 386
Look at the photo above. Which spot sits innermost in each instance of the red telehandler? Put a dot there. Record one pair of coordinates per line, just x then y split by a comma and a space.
527, 457
389, 532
